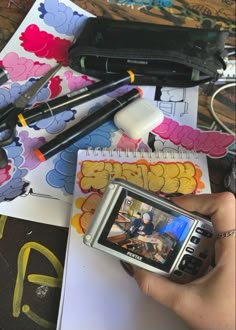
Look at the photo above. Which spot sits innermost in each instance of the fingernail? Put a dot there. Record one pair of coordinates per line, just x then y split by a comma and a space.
128, 268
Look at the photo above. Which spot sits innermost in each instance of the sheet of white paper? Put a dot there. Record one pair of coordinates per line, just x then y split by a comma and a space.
99, 295
180, 104
94, 281
40, 209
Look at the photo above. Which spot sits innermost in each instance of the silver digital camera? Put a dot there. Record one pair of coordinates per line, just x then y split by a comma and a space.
151, 232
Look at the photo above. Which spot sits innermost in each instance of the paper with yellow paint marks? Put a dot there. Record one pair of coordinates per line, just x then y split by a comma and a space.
96, 293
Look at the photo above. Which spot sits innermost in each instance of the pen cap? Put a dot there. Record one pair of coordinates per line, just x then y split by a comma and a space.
3, 76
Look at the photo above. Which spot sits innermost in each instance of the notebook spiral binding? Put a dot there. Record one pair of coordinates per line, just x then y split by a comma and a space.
141, 153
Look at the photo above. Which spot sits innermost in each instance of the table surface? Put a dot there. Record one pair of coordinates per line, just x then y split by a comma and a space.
17, 234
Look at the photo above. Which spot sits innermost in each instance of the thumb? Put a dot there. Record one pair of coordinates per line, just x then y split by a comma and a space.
161, 289
220, 207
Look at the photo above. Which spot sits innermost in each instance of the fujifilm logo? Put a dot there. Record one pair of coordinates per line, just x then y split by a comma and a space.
133, 255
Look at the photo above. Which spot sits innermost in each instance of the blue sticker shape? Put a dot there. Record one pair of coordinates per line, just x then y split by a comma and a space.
61, 17
17, 185
63, 174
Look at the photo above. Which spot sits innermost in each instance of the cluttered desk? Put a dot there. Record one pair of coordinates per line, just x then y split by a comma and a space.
64, 131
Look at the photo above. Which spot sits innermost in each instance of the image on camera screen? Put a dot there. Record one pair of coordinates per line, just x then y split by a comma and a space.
154, 233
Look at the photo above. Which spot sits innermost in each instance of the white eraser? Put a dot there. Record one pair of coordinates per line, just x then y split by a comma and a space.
138, 118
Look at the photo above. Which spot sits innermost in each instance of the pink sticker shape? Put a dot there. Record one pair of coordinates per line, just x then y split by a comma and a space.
45, 45
212, 143
29, 144
55, 87
77, 82
5, 174
22, 68
128, 143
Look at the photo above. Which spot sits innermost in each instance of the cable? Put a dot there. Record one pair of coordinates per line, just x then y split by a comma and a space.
228, 130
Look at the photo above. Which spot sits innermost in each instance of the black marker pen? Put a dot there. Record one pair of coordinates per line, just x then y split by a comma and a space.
85, 126
75, 98
138, 66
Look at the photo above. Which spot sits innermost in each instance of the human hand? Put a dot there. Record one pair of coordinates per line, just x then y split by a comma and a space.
207, 303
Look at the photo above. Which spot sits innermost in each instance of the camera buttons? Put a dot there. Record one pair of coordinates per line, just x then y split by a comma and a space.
195, 240
189, 249
178, 272
190, 264
203, 232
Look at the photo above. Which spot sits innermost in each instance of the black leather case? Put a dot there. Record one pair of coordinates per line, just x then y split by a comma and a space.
159, 55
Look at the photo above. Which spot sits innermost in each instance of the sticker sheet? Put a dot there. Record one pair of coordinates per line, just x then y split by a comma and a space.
42, 191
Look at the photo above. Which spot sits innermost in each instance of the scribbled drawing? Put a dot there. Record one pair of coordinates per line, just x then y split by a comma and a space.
173, 109
19, 305
30, 191
44, 44
159, 177
22, 68
166, 177
170, 94
213, 144
157, 144
61, 17
172, 101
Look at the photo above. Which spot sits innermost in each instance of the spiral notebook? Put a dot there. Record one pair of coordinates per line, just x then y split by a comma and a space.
96, 292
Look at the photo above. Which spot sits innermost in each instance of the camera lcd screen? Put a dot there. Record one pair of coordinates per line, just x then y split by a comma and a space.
145, 231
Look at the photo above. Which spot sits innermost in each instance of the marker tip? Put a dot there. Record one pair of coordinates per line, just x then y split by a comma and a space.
39, 155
